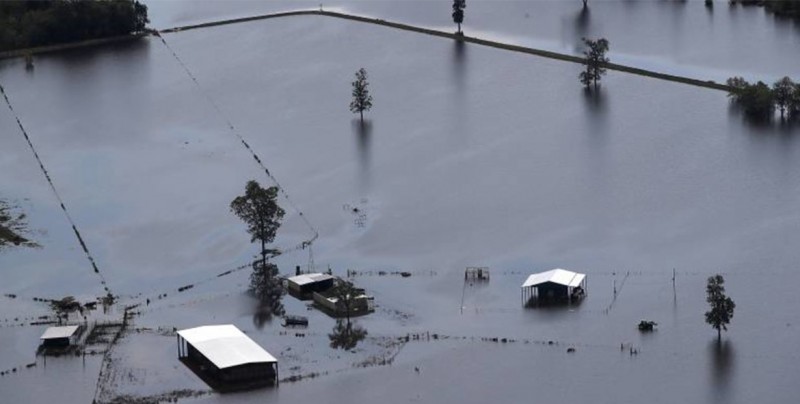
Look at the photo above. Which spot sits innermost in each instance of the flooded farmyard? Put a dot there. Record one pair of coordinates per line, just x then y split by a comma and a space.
119, 163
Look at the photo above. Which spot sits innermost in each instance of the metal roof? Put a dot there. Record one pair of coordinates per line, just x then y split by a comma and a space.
559, 276
225, 345
59, 332
306, 279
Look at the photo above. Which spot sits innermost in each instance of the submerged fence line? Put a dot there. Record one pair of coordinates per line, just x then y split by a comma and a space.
235, 132
464, 38
84, 247
378, 21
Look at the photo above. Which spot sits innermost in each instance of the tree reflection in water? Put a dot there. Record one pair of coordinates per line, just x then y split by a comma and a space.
345, 335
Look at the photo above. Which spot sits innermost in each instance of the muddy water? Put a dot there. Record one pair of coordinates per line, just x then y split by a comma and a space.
471, 156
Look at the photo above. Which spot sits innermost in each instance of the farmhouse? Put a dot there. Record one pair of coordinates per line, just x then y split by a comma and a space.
555, 284
303, 286
225, 357
60, 336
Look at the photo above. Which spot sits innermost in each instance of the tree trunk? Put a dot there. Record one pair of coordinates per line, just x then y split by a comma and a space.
719, 335
263, 253
459, 28
362, 115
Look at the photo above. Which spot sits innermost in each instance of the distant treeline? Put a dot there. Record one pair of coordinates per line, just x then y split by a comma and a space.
759, 100
31, 23
787, 8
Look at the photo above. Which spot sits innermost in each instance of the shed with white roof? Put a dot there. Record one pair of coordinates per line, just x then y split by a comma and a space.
554, 284
226, 355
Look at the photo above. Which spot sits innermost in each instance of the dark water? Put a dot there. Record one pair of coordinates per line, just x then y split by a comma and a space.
471, 156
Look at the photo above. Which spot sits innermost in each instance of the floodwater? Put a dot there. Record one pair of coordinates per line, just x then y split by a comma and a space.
470, 157
672, 36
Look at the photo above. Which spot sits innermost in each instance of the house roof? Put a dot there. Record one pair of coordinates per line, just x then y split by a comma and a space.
59, 332
226, 346
306, 279
559, 276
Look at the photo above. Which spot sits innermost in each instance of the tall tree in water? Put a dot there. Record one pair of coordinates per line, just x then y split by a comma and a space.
259, 209
596, 61
783, 94
458, 12
721, 312
362, 100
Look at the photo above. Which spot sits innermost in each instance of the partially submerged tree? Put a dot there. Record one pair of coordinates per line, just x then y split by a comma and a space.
757, 100
259, 209
458, 13
721, 312
783, 93
345, 293
64, 307
596, 61
362, 100
13, 225
794, 104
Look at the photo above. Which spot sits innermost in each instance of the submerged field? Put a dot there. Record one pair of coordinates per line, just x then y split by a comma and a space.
470, 157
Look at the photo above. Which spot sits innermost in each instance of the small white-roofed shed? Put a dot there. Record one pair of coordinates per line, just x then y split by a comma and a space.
60, 336
227, 355
555, 283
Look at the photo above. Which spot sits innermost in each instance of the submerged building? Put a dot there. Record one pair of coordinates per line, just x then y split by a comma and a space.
554, 285
226, 358
305, 285
60, 336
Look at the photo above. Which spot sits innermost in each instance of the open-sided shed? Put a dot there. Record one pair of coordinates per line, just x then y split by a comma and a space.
554, 284
60, 336
226, 356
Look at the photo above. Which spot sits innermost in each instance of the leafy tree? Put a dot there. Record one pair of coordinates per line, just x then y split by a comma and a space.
458, 12
64, 307
38, 23
12, 227
757, 100
794, 104
260, 211
345, 293
362, 100
721, 312
783, 92
596, 61
737, 84
268, 289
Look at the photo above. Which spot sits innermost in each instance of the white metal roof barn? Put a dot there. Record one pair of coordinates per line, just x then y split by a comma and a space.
226, 355
555, 283
59, 332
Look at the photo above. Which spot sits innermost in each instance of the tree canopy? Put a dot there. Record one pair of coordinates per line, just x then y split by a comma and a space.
759, 101
25, 24
458, 12
362, 100
596, 60
722, 306
259, 209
